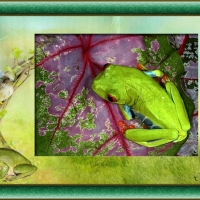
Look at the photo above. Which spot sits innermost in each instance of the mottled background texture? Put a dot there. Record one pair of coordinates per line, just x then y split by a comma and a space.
18, 124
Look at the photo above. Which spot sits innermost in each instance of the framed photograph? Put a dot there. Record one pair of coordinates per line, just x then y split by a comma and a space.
99, 99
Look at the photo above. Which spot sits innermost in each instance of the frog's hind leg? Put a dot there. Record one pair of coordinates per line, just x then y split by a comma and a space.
174, 94
151, 138
23, 170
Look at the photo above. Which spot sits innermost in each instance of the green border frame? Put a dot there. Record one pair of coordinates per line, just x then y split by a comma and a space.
99, 8
100, 192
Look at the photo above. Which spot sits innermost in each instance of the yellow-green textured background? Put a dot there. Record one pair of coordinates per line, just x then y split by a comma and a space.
18, 125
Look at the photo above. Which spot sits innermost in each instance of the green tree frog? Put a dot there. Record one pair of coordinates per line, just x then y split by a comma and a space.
13, 165
138, 95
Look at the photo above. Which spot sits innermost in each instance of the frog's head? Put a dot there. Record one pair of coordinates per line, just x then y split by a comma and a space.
109, 84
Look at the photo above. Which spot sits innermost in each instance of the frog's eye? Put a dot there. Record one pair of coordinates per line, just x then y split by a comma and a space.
106, 65
111, 98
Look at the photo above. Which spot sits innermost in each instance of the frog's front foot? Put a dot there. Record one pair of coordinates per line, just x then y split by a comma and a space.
125, 127
141, 67
164, 79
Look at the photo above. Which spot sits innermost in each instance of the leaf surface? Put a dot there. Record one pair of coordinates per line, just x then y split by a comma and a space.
71, 120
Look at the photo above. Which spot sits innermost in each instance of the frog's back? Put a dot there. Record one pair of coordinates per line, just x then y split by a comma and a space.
153, 101
144, 85
12, 158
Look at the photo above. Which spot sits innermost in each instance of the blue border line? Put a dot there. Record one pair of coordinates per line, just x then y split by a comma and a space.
99, 8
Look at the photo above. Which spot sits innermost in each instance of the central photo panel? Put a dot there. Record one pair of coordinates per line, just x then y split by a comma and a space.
116, 95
